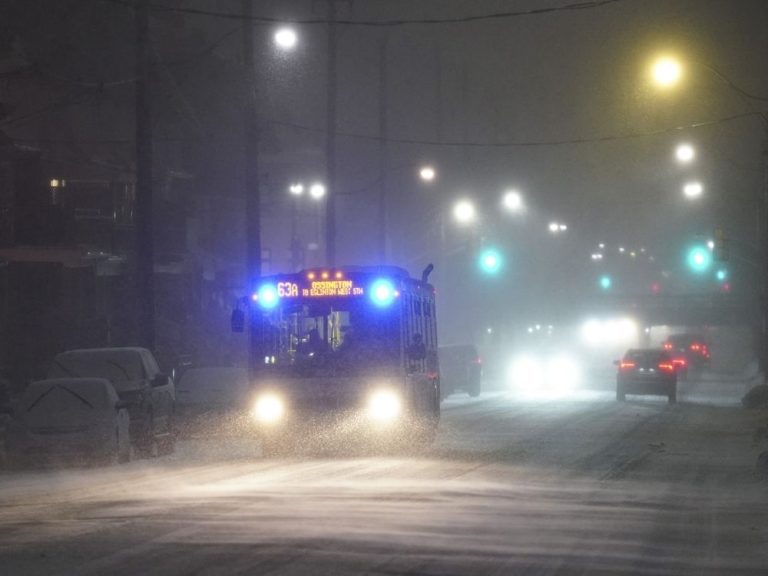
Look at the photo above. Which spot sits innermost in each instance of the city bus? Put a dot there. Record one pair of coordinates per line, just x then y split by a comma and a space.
351, 350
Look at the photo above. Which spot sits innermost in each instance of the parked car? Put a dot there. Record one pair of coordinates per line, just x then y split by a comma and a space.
67, 418
148, 394
461, 368
210, 398
646, 371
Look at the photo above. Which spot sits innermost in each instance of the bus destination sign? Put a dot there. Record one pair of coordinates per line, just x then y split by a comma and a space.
319, 289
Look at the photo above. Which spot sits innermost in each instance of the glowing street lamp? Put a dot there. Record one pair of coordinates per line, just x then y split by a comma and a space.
693, 190
666, 72
317, 191
512, 201
427, 173
464, 212
296, 189
286, 38
685, 153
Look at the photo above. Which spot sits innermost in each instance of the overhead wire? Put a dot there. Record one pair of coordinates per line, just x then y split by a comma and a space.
576, 6
441, 143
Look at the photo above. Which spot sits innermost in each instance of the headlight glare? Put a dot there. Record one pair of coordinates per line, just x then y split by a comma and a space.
269, 408
384, 405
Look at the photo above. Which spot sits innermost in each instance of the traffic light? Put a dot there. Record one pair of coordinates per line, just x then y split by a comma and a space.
490, 261
655, 288
605, 282
722, 275
699, 259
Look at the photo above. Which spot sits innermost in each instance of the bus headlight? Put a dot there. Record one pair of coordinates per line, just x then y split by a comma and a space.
269, 408
384, 405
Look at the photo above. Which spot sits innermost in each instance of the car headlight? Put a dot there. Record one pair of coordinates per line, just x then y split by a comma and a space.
563, 374
269, 408
384, 405
526, 373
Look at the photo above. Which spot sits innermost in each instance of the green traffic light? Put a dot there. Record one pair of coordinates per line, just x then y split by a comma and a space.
722, 275
699, 259
606, 282
490, 261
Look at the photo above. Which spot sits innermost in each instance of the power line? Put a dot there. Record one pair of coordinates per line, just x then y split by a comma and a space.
520, 143
577, 6
413, 141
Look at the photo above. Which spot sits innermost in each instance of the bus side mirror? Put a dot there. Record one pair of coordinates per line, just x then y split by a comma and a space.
238, 320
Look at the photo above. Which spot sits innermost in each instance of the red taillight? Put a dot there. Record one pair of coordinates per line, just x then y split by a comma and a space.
478, 360
667, 346
695, 347
679, 362
666, 367
624, 365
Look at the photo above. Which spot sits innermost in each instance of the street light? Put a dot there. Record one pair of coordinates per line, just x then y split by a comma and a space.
685, 153
693, 190
317, 191
286, 38
316, 194
666, 71
512, 201
464, 212
296, 189
427, 173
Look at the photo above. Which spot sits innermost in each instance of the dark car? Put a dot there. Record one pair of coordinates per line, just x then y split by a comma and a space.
461, 368
690, 352
647, 371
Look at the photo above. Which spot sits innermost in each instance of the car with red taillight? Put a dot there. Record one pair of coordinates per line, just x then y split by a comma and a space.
693, 348
647, 372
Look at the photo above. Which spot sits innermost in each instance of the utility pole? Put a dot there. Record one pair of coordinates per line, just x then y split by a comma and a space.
330, 141
764, 293
145, 261
251, 171
382, 215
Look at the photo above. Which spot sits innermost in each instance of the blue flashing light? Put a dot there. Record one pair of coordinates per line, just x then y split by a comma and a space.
383, 292
267, 296
490, 261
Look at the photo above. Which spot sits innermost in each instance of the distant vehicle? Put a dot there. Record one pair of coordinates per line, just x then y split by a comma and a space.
68, 418
349, 350
646, 371
689, 351
148, 394
206, 398
461, 368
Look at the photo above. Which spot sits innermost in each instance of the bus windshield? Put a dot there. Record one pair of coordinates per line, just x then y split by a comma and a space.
336, 337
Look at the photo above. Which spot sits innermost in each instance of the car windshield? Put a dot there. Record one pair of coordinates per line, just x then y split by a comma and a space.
324, 338
114, 365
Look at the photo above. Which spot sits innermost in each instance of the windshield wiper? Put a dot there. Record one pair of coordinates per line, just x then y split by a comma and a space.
122, 369
67, 370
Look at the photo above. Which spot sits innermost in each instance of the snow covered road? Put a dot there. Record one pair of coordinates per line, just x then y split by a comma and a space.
583, 485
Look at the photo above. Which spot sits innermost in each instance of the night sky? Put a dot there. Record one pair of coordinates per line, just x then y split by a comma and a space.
557, 105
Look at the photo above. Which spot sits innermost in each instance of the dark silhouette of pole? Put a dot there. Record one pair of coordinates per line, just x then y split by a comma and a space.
330, 142
382, 215
145, 260
251, 173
